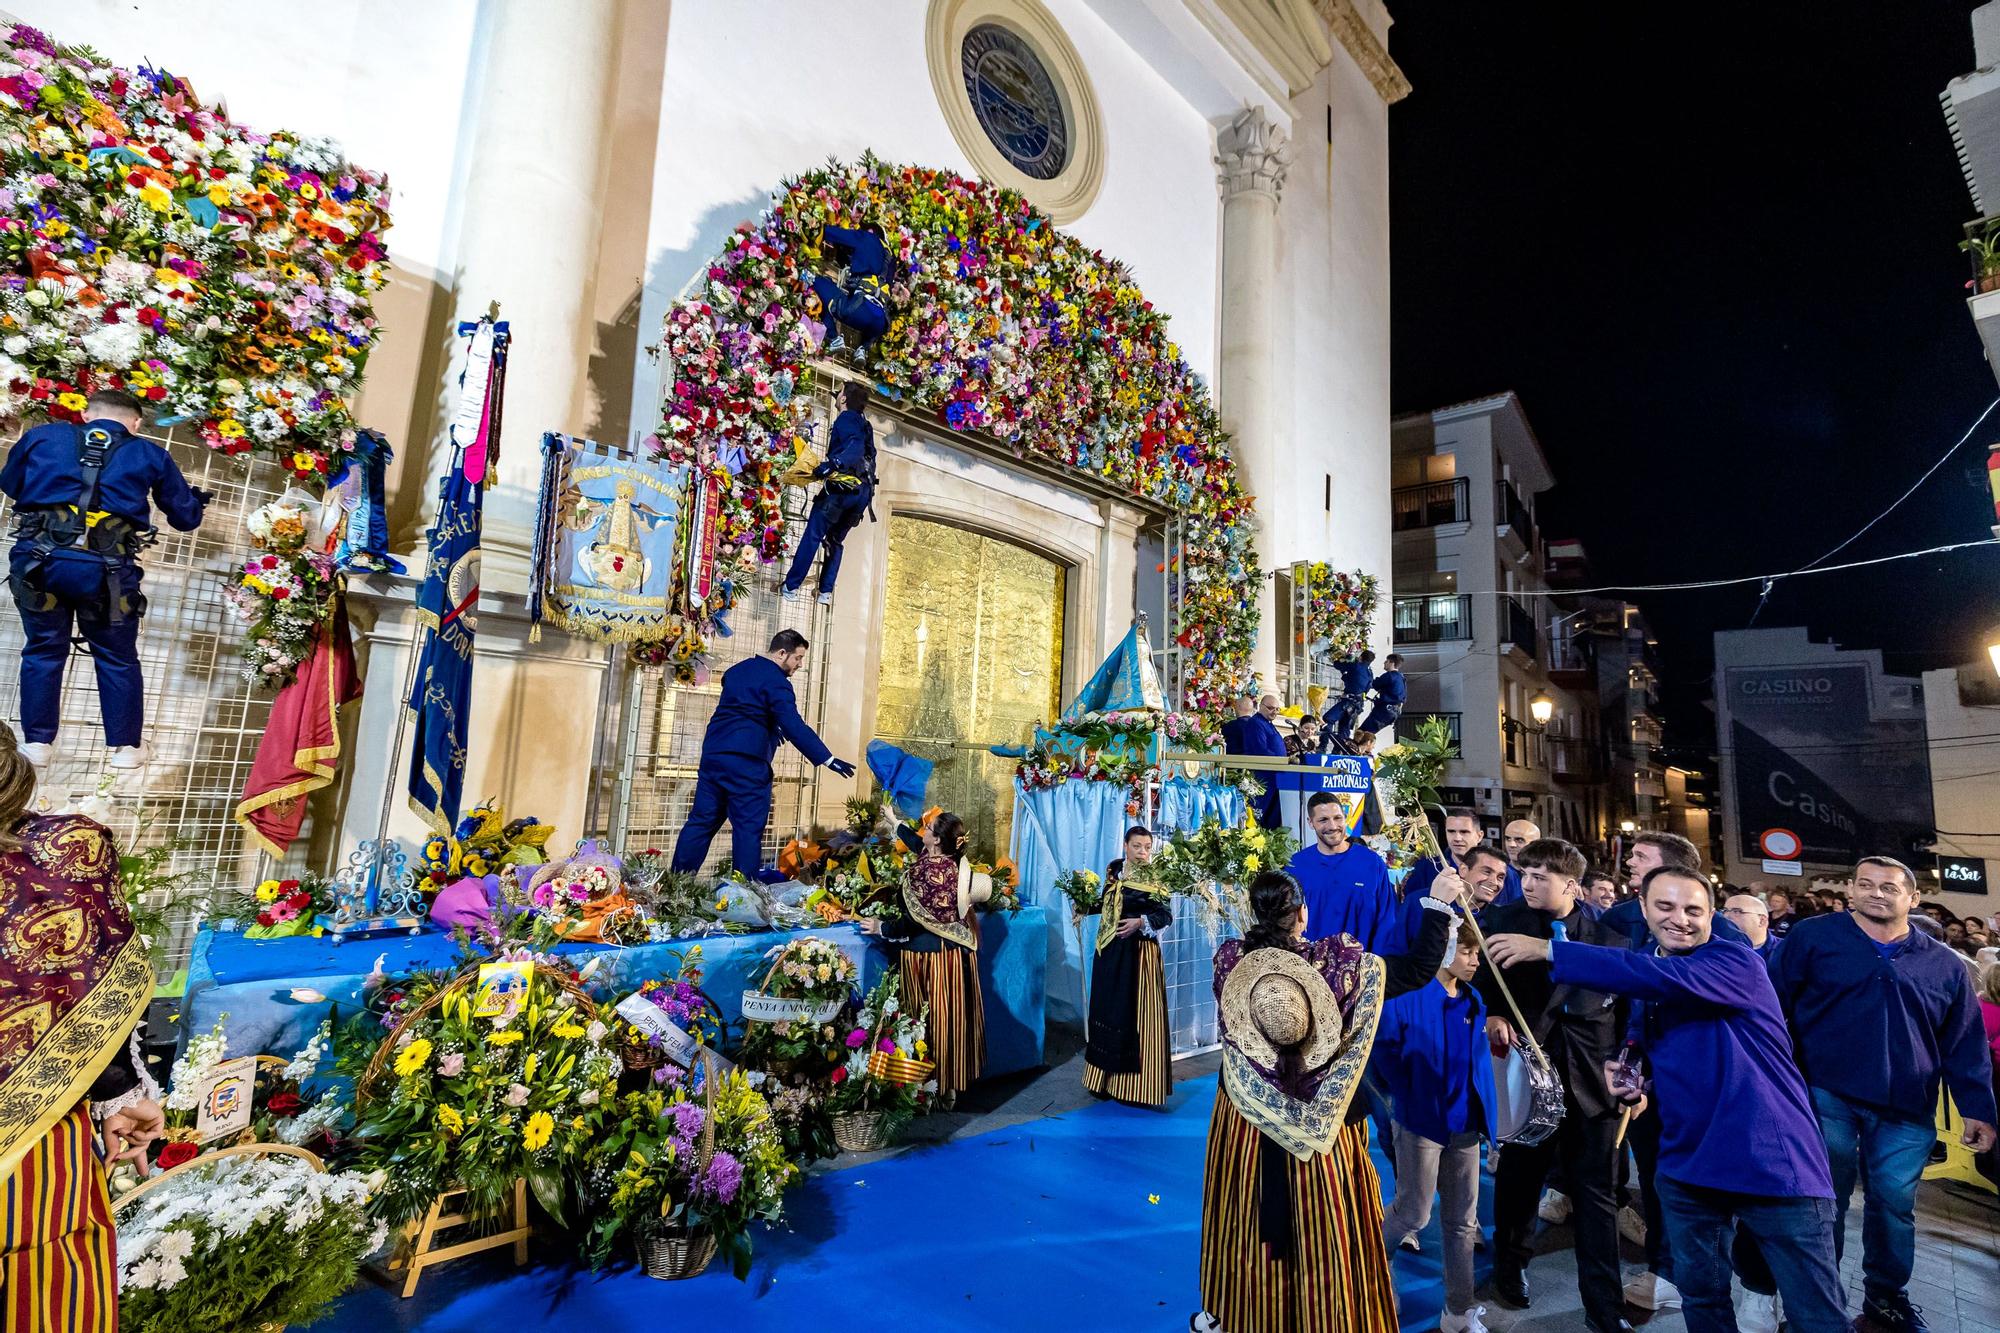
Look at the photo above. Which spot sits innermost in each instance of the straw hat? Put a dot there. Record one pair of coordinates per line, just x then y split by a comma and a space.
974, 886
1275, 1000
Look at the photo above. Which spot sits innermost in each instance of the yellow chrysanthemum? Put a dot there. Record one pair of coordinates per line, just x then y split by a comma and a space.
567, 1030
453, 1122
75, 402
412, 1057
507, 1038
536, 1135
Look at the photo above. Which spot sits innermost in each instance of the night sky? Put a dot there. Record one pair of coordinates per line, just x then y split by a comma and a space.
1716, 255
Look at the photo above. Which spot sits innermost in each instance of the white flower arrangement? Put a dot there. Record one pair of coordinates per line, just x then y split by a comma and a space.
239, 1242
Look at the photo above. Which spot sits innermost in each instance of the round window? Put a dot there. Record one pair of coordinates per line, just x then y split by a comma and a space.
1015, 100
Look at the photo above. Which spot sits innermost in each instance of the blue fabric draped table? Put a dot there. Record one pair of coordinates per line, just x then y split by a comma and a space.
251, 981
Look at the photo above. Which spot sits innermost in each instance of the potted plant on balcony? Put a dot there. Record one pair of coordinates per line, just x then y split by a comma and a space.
1984, 247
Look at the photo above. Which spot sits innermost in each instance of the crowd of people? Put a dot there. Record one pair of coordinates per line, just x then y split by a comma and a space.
1650, 1019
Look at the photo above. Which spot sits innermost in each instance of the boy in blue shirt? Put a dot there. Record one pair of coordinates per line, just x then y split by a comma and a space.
1430, 1049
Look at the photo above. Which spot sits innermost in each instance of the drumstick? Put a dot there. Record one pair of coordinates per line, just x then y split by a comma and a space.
1624, 1120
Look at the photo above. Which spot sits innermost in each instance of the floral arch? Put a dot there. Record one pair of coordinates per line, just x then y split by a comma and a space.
1000, 323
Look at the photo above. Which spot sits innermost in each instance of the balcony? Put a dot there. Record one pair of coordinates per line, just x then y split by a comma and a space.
1519, 626
1406, 726
1573, 662
1575, 759
1438, 619
1430, 505
1515, 522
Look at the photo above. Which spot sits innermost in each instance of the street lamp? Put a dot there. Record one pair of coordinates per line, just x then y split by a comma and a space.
1542, 708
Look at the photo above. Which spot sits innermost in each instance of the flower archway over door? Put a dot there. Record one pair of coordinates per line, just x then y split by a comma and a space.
1000, 324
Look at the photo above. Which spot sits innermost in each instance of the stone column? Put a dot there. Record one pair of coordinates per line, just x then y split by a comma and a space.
1252, 155
530, 216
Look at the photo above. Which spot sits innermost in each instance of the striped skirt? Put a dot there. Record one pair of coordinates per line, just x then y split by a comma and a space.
1337, 1280
1154, 1079
947, 979
60, 1269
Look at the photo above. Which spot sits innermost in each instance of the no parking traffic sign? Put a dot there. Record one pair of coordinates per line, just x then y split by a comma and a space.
1781, 848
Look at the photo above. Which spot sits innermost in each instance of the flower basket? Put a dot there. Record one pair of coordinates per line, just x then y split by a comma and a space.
863, 1131
900, 1069
674, 1255
641, 1056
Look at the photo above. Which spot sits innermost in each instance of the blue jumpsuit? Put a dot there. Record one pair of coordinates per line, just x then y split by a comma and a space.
1255, 735
862, 305
851, 451
757, 709
44, 470
1355, 678
1390, 693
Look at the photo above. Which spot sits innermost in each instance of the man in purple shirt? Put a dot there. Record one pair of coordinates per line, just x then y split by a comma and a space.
1721, 1058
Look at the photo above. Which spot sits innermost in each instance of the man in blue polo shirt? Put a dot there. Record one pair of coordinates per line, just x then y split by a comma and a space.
1882, 1016
1346, 884
1461, 834
1715, 1037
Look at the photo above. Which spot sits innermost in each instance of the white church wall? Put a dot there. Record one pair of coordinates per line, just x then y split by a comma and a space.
745, 107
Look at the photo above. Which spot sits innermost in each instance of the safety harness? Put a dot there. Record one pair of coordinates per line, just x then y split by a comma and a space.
43, 532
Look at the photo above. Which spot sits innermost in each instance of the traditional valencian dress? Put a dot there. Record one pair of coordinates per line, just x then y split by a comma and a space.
1128, 1055
74, 981
1291, 1219
938, 938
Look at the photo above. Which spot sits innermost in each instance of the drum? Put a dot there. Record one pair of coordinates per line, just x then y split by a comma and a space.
1529, 1097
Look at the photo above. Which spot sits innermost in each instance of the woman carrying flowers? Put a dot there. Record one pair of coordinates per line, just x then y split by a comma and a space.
74, 980
938, 937
1128, 1055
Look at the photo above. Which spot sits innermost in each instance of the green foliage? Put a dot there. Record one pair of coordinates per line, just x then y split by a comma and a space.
1412, 769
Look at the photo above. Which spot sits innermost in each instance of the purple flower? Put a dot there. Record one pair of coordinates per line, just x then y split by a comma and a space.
856, 1038
887, 1045
687, 1118
723, 1178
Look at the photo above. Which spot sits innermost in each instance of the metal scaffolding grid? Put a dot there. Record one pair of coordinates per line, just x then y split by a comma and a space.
203, 719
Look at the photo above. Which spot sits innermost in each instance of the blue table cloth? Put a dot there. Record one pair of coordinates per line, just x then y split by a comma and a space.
250, 982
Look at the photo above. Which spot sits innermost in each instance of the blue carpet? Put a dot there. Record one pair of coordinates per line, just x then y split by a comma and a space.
1054, 1224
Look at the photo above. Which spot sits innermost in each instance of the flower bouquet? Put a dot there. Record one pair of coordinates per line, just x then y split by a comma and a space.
1213, 865
281, 593
1006, 895
662, 1027
1340, 609
501, 1074
810, 980
483, 842
287, 907
254, 1239
1409, 771
1085, 891
680, 1175
583, 898
886, 1078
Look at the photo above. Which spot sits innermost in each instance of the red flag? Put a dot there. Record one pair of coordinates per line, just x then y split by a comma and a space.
300, 750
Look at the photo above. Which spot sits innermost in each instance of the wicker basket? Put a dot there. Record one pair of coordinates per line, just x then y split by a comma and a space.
863, 1131
676, 1255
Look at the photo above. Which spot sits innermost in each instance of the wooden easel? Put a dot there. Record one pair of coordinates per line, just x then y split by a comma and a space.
424, 1251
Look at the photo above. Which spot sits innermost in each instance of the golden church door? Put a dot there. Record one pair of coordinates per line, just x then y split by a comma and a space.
972, 630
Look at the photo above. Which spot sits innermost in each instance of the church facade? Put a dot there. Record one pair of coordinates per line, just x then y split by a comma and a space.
579, 165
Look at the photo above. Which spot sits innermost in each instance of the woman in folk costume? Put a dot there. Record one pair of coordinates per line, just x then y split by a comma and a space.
1129, 1056
74, 982
938, 939
1291, 1221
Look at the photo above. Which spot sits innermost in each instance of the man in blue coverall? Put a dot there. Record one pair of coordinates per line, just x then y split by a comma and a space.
1390, 693
74, 565
757, 709
1256, 733
1356, 677
863, 303
849, 474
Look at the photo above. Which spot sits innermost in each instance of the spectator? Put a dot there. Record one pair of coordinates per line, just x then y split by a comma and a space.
1579, 1031
1484, 872
1461, 834
1714, 1036
1600, 890
1753, 918
1881, 1016
1304, 738
1989, 1012
1518, 834
1346, 885
1779, 902
1431, 1051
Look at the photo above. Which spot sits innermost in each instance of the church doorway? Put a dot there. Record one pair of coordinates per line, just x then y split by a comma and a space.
972, 652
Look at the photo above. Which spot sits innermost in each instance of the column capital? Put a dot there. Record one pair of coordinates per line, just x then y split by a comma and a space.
1252, 154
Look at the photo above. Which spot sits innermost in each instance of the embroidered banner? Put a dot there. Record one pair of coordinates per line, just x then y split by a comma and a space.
606, 541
